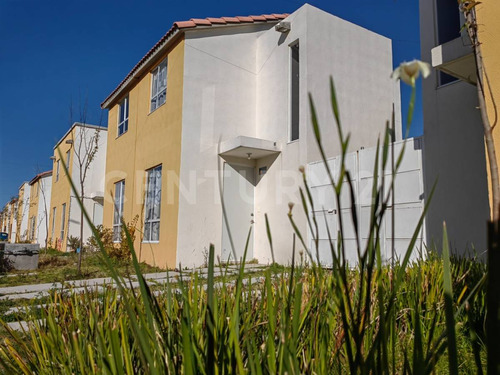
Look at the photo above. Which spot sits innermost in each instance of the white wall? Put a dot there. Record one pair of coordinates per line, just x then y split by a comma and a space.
360, 62
236, 83
94, 182
219, 103
454, 154
43, 210
23, 235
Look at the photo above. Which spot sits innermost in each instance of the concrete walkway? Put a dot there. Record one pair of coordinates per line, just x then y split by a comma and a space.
40, 290
35, 291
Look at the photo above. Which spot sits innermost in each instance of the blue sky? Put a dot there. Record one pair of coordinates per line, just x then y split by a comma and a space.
57, 53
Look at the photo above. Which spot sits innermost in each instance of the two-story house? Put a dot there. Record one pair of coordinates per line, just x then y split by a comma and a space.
38, 212
23, 212
218, 108
83, 150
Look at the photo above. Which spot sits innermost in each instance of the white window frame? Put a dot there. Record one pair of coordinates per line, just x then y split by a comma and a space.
153, 193
57, 169
54, 212
158, 92
123, 122
118, 210
63, 219
33, 227
291, 92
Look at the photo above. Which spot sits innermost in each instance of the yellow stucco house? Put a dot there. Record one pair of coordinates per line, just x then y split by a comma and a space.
76, 147
8, 219
217, 110
39, 203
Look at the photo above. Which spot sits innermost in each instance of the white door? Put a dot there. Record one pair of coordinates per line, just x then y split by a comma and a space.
238, 195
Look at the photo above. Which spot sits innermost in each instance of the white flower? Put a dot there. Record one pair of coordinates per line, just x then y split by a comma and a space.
408, 72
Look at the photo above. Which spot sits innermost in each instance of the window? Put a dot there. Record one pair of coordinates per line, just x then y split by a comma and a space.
153, 202
119, 199
159, 85
33, 225
53, 222
68, 153
446, 78
448, 20
57, 170
123, 117
63, 219
294, 92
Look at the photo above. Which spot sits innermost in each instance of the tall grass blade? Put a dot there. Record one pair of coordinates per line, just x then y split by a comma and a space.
448, 304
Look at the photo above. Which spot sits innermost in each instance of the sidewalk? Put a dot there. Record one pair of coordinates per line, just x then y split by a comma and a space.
40, 290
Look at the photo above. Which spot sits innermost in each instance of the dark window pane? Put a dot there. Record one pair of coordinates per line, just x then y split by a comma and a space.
295, 102
448, 20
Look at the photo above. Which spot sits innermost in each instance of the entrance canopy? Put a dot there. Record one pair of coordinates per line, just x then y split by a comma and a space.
249, 148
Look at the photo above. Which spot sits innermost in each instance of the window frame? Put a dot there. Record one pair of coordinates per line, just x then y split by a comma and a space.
292, 100
118, 210
63, 220
155, 92
54, 213
33, 227
123, 122
149, 204
57, 169
68, 157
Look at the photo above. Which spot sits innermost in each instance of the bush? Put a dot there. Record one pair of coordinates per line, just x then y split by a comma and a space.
73, 242
117, 250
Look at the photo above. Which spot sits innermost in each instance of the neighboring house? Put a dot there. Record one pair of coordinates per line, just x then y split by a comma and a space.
454, 139
38, 213
75, 147
23, 212
224, 101
8, 222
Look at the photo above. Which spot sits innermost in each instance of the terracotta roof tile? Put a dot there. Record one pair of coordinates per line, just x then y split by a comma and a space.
231, 19
216, 20
245, 19
184, 24
259, 18
192, 23
201, 22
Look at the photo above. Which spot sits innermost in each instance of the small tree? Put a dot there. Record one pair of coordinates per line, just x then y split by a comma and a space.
85, 144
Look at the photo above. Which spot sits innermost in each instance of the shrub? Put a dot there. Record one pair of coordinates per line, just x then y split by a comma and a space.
120, 250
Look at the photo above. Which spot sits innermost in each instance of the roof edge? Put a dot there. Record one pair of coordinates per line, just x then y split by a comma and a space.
82, 124
40, 176
177, 30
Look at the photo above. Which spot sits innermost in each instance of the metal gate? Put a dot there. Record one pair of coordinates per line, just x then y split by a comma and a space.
408, 205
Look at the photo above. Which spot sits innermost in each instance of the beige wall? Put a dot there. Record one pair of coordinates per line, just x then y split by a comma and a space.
152, 139
60, 194
488, 14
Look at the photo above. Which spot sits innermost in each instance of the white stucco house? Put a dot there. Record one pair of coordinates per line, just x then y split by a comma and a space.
249, 87
245, 127
83, 151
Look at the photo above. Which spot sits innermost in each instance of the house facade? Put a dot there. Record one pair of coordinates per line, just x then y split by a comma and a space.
215, 118
453, 132
38, 213
8, 219
83, 144
23, 212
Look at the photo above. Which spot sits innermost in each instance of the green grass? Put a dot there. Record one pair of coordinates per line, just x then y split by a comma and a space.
276, 325
56, 266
